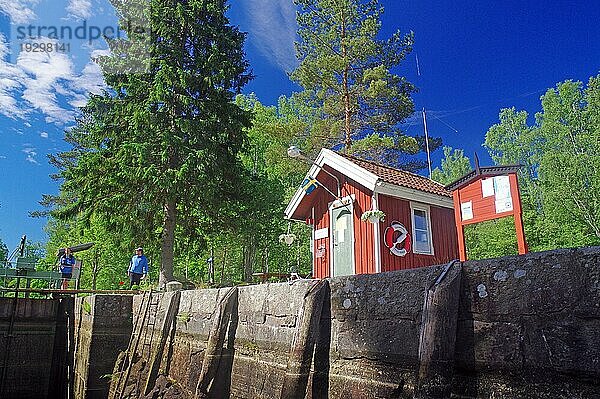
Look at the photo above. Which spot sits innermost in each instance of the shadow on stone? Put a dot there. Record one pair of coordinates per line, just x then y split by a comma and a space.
320, 378
221, 386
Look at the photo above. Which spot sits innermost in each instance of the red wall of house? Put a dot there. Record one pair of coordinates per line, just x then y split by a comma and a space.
443, 232
442, 221
364, 249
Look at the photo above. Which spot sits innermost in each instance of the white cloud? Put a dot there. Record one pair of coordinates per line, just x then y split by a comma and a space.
19, 11
45, 82
44, 135
31, 153
46, 73
91, 80
10, 77
80, 9
2, 157
273, 30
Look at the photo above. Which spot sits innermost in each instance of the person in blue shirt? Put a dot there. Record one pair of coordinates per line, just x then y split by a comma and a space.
67, 261
138, 267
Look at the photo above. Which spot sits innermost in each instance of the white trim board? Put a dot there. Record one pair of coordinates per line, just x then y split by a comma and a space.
376, 235
365, 178
411, 194
427, 209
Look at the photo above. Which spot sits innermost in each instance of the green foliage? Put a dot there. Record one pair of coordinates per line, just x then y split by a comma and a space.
560, 154
491, 239
158, 151
345, 72
3, 250
454, 165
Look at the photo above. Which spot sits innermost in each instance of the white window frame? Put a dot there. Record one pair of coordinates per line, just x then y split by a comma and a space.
423, 208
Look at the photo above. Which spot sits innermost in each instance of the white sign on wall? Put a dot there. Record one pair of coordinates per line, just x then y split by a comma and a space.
501, 187
466, 210
321, 233
487, 187
504, 205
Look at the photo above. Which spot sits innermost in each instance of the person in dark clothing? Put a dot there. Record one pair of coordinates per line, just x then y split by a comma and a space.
67, 261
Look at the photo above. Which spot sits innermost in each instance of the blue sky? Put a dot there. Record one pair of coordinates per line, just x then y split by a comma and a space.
475, 57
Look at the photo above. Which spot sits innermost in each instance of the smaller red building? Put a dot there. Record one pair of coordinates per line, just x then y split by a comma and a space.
418, 229
487, 193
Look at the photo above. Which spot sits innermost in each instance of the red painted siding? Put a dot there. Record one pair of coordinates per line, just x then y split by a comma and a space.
483, 208
442, 222
364, 257
444, 239
364, 236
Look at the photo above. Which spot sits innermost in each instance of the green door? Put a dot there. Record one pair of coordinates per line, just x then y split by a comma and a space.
343, 241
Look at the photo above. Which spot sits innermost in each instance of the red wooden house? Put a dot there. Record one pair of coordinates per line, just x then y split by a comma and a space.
418, 229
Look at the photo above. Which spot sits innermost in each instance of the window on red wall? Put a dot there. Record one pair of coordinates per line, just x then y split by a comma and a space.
421, 226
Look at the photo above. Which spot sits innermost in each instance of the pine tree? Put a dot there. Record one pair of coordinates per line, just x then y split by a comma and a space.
346, 73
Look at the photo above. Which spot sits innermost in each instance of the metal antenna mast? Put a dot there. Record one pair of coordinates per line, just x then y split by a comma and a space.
427, 141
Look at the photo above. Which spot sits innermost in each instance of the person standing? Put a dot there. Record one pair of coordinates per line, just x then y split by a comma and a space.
67, 261
138, 267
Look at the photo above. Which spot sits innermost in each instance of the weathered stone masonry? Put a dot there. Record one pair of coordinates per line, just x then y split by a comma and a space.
527, 327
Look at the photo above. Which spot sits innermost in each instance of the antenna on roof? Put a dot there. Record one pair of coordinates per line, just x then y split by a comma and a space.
427, 141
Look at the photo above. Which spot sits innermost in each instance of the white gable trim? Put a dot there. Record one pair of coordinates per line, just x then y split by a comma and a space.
338, 163
365, 178
411, 194
376, 235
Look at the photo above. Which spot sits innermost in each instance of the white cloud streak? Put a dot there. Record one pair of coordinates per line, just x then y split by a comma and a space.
273, 30
30, 154
80, 9
45, 75
19, 11
45, 82
10, 77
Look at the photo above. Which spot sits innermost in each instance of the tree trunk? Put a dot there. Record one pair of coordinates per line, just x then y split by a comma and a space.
223, 268
347, 111
94, 269
211, 266
167, 243
249, 255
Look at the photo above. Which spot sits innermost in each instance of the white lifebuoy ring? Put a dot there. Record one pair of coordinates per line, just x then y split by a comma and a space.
397, 239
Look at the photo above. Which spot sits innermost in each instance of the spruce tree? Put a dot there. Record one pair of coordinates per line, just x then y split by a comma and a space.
162, 142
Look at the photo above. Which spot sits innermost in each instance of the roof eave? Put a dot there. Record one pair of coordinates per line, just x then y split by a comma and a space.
338, 163
486, 171
412, 194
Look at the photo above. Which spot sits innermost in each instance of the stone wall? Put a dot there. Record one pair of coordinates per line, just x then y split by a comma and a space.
528, 327
34, 354
257, 346
103, 329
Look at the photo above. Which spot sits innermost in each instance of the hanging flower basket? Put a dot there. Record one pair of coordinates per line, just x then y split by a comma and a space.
287, 238
373, 216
